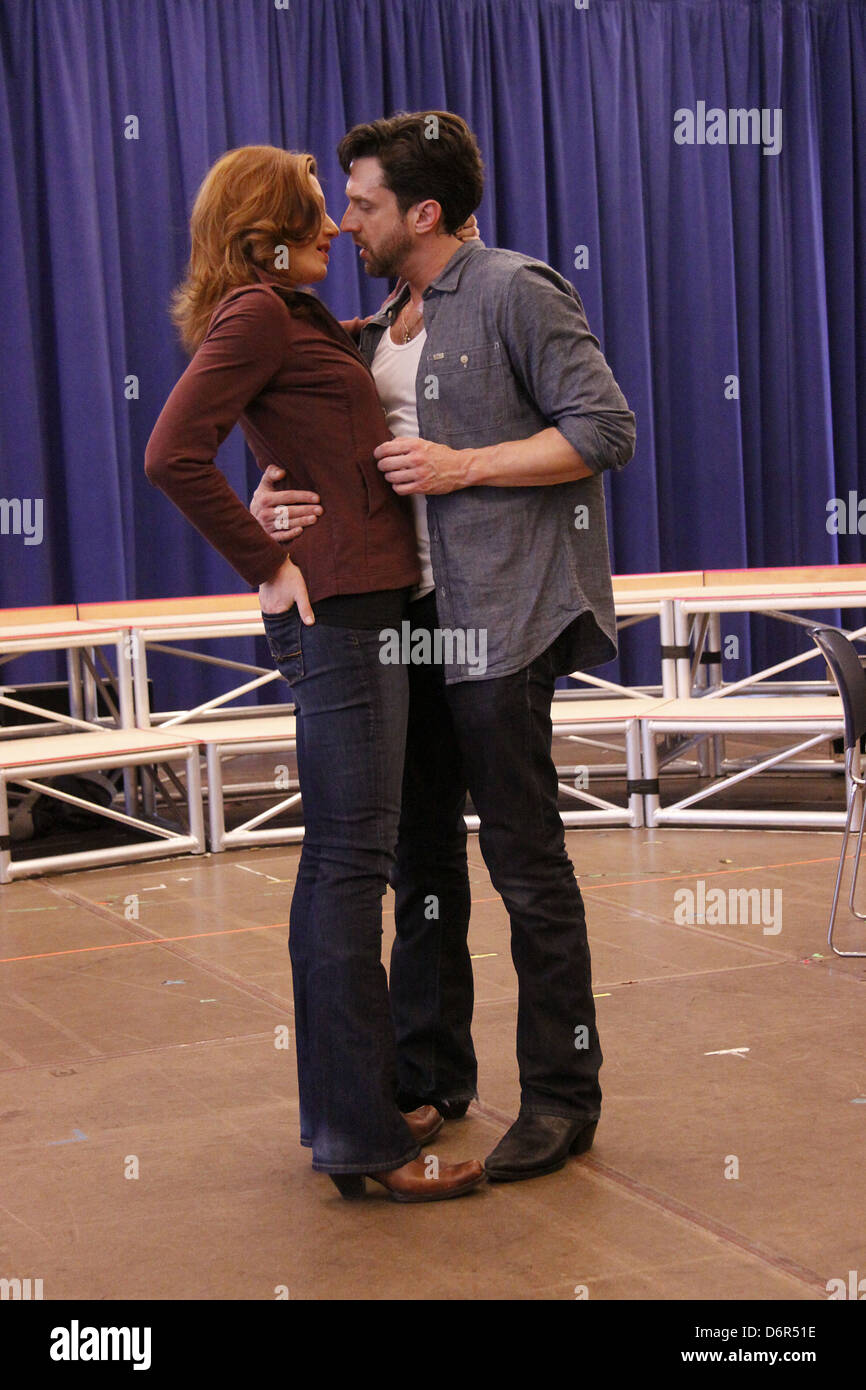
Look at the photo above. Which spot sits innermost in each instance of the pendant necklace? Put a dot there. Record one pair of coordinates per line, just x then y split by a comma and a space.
408, 328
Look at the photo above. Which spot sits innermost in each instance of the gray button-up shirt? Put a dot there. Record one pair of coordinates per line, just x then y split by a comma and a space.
509, 353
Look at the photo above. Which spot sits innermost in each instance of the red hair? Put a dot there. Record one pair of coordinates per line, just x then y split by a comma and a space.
251, 201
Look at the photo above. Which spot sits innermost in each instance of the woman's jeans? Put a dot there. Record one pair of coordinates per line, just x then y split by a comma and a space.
351, 729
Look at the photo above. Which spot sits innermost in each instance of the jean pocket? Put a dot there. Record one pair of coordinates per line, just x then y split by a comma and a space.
283, 631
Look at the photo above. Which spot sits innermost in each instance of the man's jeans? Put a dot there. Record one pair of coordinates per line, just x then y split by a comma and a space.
351, 725
494, 738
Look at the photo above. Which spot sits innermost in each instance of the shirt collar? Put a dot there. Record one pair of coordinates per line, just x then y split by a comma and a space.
449, 278
447, 281
392, 306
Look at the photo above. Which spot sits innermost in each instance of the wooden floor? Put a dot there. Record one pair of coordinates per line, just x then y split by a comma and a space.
138, 1023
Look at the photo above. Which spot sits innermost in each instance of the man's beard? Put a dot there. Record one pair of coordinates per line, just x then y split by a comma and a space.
388, 259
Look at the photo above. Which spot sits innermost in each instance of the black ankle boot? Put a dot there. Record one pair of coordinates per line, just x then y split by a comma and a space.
538, 1144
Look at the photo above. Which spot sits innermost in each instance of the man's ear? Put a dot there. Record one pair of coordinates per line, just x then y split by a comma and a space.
428, 216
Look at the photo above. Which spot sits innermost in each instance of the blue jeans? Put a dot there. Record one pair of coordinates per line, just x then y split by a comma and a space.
492, 737
351, 732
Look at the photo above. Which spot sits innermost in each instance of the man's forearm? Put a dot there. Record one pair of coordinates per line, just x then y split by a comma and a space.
540, 461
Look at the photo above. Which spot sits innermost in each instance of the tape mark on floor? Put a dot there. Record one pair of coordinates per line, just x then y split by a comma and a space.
714, 873
237, 981
78, 1136
258, 873
149, 941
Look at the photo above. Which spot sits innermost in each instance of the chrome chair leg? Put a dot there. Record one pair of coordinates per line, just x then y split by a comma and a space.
857, 789
856, 867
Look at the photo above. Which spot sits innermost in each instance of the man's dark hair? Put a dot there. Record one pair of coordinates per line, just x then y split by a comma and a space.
424, 154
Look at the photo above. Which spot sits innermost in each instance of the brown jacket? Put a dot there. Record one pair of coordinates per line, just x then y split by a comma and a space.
279, 362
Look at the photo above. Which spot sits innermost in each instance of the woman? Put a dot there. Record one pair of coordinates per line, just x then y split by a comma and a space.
270, 354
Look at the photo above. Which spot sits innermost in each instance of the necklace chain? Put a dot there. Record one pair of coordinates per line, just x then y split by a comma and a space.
408, 329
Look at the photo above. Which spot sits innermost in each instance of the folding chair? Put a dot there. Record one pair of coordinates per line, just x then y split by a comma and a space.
848, 673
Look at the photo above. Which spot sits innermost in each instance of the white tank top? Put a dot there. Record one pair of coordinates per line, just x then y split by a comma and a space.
395, 367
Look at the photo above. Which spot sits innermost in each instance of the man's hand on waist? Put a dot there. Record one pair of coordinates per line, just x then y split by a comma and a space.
283, 514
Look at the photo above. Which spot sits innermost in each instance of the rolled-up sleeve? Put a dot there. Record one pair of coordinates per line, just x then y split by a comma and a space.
239, 355
563, 369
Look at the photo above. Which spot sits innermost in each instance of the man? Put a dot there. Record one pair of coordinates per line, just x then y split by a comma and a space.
505, 414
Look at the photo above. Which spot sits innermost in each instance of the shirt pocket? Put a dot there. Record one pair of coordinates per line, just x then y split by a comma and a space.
467, 388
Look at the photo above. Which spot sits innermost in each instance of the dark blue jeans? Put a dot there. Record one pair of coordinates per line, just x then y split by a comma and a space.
492, 737
351, 729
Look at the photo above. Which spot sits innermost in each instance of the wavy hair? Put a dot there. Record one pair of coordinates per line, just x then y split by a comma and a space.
252, 200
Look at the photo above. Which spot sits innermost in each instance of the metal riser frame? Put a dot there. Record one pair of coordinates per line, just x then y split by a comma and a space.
166, 842
752, 820
683, 813
253, 832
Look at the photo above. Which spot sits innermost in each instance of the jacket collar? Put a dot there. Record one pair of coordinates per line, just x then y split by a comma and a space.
270, 277
265, 277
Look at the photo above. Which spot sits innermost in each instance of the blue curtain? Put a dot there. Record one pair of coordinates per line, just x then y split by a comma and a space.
702, 263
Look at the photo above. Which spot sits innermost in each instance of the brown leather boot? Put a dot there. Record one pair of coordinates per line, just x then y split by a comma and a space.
424, 1123
422, 1180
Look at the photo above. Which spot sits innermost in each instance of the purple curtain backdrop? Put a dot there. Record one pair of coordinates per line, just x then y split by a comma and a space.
703, 261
